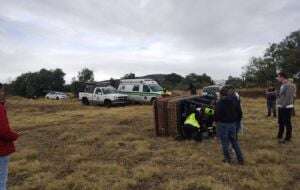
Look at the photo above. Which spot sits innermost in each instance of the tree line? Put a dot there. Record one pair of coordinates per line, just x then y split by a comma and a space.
261, 71
37, 84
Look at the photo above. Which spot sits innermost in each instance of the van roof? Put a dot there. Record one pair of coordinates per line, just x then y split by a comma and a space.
137, 80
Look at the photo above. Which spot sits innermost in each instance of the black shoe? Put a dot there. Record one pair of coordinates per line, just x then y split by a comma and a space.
241, 162
282, 141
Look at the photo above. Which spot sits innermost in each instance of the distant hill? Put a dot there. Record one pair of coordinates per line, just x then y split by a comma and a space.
160, 78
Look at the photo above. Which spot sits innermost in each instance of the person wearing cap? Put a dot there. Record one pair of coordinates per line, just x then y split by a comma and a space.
7, 138
285, 104
228, 113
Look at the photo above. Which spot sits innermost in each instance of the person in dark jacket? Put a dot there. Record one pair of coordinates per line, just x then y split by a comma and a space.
228, 113
235, 97
7, 137
271, 96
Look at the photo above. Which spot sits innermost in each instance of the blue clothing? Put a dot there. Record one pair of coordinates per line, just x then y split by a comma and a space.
227, 133
238, 126
3, 171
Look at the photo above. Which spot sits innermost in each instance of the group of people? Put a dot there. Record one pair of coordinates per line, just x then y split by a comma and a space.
228, 116
227, 113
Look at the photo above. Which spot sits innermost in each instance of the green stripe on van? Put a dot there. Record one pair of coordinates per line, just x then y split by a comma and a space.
141, 93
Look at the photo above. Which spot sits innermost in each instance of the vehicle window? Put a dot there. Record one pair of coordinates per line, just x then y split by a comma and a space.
136, 88
109, 90
146, 88
155, 87
98, 91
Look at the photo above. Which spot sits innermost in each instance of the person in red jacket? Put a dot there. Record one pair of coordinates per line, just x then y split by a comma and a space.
7, 137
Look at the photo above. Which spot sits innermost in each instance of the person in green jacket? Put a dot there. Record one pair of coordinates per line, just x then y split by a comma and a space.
191, 127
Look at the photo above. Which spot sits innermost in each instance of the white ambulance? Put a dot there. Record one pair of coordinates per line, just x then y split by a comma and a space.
141, 90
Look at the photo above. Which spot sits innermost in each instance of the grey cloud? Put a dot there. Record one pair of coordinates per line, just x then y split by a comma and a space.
115, 37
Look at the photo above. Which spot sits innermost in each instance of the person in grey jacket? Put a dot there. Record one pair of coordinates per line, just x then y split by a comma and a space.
285, 106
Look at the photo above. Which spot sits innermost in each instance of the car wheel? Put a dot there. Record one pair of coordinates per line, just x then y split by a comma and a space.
107, 103
85, 101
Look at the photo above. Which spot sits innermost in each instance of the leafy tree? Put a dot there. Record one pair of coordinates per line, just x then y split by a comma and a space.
172, 80
129, 76
284, 56
199, 81
38, 83
86, 75
236, 82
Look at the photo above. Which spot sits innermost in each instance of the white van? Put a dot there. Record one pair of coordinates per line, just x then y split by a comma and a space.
140, 90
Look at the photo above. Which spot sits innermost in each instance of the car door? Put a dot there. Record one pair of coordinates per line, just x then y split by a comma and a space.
146, 93
136, 93
98, 96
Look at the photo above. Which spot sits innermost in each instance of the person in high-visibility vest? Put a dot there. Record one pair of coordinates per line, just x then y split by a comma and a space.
191, 127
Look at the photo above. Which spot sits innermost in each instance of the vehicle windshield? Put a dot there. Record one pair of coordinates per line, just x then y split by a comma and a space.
155, 87
109, 90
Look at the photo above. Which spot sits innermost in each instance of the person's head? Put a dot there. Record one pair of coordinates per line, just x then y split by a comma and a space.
231, 90
282, 77
224, 91
2, 93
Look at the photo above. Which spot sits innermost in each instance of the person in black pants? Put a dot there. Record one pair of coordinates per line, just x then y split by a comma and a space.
271, 96
285, 107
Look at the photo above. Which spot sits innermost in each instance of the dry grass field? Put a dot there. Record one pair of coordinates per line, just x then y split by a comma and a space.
67, 146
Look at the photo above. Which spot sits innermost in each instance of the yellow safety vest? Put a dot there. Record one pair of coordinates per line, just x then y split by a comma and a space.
191, 120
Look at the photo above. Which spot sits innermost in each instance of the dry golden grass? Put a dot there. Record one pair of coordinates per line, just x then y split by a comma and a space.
65, 145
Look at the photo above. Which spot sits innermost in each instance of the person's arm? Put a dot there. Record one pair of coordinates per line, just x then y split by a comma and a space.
218, 112
239, 111
6, 134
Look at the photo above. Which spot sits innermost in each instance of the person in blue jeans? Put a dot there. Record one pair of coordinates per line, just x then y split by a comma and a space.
7, 138
228, 113
3, 171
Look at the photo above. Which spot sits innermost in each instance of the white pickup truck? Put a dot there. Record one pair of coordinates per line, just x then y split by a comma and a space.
107, 96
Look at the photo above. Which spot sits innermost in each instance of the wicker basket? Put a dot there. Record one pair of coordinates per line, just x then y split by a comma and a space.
167, 115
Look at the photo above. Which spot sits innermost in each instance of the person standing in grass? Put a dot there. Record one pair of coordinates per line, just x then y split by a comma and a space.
228, 113
232, 93
271, 96
7, 137
285, 104
295, 95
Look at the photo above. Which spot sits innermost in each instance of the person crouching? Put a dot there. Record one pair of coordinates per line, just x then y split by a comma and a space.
191, 127
228, 112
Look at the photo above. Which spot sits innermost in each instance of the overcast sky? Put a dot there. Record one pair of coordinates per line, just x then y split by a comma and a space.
114, 37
